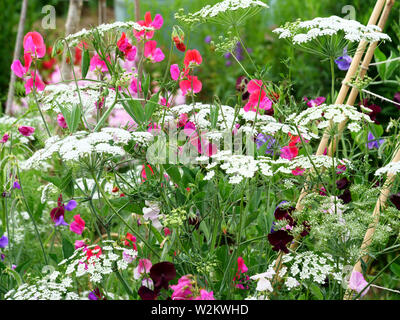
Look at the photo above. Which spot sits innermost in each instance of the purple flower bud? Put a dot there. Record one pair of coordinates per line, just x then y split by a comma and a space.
344, 61
207, 39
71, 205
2, 256
16, 185
3, 242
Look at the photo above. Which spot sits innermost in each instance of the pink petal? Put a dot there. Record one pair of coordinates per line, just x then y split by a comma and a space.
175, 72
149, 48
158, 55
18, 68
157, 22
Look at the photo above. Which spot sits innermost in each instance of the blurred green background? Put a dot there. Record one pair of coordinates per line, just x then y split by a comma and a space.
310, 76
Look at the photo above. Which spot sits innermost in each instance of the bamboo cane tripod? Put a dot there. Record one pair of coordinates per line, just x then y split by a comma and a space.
386, 6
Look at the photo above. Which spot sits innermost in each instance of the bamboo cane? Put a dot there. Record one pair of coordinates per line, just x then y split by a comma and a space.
339, 100
376, 213
364, 68
17, 50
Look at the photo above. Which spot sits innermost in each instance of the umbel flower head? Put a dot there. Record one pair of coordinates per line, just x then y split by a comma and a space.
230, 11
329, 36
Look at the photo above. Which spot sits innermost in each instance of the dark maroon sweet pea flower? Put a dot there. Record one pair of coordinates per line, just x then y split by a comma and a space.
279, 240
241, 86
395, 199
306, 229
345, 196
375, 110
58, 211
146, 293
397, 99
281, 213
162, 273
342, 183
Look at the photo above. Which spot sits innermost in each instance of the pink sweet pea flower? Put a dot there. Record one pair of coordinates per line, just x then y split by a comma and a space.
258, 97
39, 84
182, 120
175, 72
154, 128
97, 64
205, 295
134, 87
191, 84
241, 266
61, 121
144, 266
298, 171
183, 290
152, 52
315, 102
80, 244
192, 58
34, 44
5, 138
78, 225
125, 46
148, 22
289, 152
26, 131
18, 68
358, 283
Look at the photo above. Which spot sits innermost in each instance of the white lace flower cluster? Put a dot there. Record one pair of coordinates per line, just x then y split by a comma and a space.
336, 113
298, 269
200, 115
305, 31
226, 6
51, 287
101, 263
240, 167
108, 141
67, 96
74, 39
391, 168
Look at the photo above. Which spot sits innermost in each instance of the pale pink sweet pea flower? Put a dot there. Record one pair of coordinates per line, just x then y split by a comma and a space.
144, 266
78, 225
175, 72
152, 52
61, 121
26, 131
358, 283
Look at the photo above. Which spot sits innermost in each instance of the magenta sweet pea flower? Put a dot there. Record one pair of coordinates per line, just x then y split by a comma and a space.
80, 244
358, 283
61, 121
153, 53
241, 266
175, 72
26, 131
34, 44
5, 138
183, 290
97, 64
38, 85
315, 102
148, 22
205, 295
78, 225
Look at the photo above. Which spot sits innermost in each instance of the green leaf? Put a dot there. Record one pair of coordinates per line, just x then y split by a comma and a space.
85, 63
72, 117
67, 248
151, 106
67, 184
214, 112
316, 292
379, 57
146, 85
53, 256
173, 172
395, 268
134, 109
